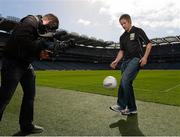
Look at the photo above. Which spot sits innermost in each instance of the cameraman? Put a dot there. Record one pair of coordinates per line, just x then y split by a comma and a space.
22, 48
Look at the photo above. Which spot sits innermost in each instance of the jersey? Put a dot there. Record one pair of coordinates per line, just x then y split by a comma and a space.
132, 42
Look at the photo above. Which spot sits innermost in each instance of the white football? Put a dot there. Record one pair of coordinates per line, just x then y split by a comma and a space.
110, 82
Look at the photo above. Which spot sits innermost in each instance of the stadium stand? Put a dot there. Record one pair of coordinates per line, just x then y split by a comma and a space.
74, 51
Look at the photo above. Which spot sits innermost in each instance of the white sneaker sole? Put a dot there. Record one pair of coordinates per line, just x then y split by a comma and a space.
129, 113
120, 111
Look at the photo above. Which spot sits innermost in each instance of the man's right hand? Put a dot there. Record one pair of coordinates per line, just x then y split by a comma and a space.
114, 64
45, 54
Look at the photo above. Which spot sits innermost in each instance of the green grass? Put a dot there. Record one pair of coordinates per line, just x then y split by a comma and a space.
70, 113
161, 86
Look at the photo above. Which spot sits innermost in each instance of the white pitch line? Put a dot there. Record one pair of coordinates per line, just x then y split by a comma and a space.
167, 90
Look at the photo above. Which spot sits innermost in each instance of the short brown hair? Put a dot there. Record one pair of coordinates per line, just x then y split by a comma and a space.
126, 17
52, 18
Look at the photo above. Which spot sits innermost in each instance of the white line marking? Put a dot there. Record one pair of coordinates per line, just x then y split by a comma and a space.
167, 90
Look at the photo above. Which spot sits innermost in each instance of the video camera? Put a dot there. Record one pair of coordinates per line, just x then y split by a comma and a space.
56, 42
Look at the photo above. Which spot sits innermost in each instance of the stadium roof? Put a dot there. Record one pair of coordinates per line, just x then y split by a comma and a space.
166, 40
7, 24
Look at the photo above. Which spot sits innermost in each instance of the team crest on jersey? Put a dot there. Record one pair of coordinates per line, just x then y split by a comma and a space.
132, 36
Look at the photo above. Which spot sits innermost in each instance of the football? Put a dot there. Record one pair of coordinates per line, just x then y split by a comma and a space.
110, 82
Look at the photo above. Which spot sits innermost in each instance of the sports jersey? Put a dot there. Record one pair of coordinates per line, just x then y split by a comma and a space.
132, 43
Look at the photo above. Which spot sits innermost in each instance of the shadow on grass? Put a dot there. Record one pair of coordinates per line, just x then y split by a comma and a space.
19, 133
128, 127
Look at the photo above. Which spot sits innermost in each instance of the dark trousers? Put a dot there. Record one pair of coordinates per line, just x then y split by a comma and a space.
12, 73
129, 69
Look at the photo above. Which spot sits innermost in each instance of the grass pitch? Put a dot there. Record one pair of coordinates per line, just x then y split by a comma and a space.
65, 112
161, 86
70, 113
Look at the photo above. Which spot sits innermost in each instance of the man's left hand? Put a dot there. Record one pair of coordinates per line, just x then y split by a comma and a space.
143, 61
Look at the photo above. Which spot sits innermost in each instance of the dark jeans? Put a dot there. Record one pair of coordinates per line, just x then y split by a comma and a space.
126, 98
12, 73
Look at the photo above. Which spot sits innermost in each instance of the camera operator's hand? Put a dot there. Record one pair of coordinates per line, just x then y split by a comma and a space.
44, 54
47, 35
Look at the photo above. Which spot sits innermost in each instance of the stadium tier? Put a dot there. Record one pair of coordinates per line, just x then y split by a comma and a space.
74, 51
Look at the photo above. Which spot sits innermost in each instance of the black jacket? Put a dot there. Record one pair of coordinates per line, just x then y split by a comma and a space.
22, 45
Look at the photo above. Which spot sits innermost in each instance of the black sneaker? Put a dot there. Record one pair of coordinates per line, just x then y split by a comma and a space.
117, 108
34, 129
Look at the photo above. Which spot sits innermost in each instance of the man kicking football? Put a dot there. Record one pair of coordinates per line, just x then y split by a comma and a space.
133, 58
